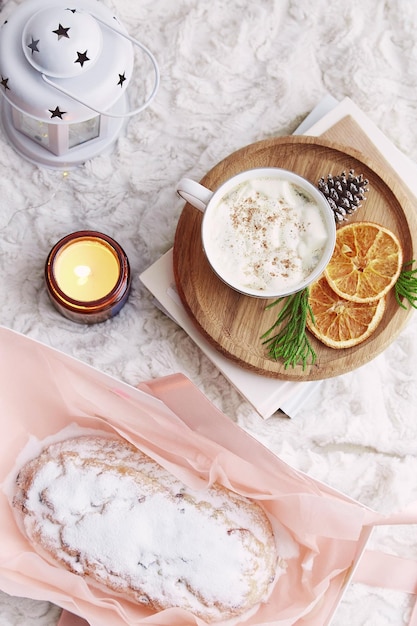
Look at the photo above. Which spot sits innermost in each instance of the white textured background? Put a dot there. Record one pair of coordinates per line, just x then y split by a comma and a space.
232, 72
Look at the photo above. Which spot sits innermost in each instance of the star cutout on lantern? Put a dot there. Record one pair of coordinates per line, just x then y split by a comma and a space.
82, 58
122, 79
33, 45
4, 82
57, 113
61, 32
72, 10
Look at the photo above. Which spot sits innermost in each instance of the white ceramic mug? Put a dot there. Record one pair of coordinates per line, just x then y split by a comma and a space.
266, 232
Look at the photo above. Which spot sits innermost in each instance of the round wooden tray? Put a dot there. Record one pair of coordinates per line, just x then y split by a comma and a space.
234, 323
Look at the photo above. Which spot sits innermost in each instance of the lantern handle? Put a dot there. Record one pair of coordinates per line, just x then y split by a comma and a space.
106, 113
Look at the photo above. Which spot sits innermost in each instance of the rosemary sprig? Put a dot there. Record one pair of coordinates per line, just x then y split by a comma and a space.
406, 286
291, 342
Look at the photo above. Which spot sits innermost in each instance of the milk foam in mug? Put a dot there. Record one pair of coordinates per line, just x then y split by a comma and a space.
266, 232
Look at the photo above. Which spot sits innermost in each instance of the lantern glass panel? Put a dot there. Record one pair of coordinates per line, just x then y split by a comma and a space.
33, 128
81, 132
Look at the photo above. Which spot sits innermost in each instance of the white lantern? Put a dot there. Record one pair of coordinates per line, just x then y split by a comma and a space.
64, 71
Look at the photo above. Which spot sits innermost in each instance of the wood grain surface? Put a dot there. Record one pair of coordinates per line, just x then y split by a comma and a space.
234, 323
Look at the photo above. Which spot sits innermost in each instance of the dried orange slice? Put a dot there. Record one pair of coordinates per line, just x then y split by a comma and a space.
366, 262
341, 323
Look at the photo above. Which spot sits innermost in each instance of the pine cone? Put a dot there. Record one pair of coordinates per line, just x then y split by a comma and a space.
344, 193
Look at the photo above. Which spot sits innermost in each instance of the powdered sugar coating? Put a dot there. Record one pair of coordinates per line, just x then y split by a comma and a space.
105, 510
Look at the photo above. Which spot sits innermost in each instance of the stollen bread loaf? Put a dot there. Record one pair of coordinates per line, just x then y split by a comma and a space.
108, 512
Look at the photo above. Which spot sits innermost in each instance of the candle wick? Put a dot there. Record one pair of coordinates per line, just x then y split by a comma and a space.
82, 273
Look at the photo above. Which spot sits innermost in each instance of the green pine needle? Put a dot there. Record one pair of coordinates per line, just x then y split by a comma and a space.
406, 286
290, 341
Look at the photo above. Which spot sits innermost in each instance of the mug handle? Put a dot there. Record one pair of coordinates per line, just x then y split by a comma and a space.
194, 193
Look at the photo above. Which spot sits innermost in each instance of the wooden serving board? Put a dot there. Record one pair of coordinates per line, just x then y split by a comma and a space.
234, 323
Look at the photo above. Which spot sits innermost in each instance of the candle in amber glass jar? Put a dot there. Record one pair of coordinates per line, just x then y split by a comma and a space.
88, 276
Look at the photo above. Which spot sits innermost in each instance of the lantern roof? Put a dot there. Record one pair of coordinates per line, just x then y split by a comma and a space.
62, 42
64, 63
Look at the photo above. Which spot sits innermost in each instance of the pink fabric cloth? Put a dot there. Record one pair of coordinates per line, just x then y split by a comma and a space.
172, 421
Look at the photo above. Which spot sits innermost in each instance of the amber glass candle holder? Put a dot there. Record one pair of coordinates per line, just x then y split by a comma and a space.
87, 276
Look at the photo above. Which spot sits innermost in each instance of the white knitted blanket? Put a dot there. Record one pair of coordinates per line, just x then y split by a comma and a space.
232, 72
